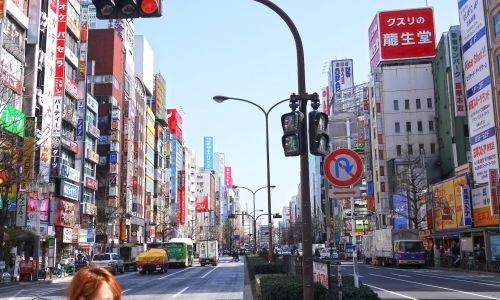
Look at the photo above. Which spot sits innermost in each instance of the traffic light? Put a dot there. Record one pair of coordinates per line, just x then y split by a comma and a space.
293, 133
318, 136
127, 9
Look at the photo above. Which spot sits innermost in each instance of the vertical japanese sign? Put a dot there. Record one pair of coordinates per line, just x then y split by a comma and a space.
493, 175
374, 43
181, 197
456, 71
29, 149
48, 90
208, 146
406, 34
341, 75
227, 177
477, 75
325, 98
21, 209
59, 85
466, 206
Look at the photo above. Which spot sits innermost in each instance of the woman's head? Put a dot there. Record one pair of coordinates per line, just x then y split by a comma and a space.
92, 283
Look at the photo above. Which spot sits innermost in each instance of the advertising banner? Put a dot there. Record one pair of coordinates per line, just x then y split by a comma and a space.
481, 204
456, 71
447, 203
320, 273
227, 177
477, 75
66, 213
28, 149
406, 34
374, 43
208, 146
495, 247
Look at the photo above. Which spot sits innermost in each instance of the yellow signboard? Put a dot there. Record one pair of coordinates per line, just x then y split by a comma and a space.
447, 203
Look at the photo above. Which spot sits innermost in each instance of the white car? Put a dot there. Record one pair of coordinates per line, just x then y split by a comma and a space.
110, 261
328, 253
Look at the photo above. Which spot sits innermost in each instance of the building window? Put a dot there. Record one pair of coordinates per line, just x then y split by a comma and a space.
431, 125
496, 20
396, 127
378, 107
419, 126
89, 169
382, 187
433, 148
429, 102
417, 103
498, 63
398, 150
396, 105
380, 154
408, 126
88, 195
421, 148
380, 138
382, 171
407, 104
410, 149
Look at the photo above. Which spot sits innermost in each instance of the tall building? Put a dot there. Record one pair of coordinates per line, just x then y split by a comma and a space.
451, 114
177, 201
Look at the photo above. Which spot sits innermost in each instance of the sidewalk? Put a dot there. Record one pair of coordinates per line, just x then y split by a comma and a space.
54, 279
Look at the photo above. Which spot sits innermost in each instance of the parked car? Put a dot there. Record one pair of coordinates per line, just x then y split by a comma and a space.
328, 253
110, 261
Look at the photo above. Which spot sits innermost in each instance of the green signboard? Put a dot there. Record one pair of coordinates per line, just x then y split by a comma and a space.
12, 120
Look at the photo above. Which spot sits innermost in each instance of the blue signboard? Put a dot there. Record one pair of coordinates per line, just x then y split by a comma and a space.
90, 235
79, 128
113, 157
69, 190
209, 153
466, 206
236, 237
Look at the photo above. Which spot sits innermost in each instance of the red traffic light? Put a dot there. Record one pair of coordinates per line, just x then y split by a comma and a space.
150, 8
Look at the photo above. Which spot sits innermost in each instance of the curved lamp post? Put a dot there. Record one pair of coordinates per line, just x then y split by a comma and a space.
220, 99
254, 210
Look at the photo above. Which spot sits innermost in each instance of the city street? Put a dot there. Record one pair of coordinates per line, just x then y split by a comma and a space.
226, 281
413, 283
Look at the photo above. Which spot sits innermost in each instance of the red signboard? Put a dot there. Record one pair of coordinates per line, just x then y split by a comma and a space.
91, 183
66, 213
493, 174
181, 197
343, 167
406, 34
201, 204
60, 42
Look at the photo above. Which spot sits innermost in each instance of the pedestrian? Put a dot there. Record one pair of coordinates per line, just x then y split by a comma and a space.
93, 283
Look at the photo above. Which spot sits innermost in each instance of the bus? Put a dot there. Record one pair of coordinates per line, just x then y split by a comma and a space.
180, 251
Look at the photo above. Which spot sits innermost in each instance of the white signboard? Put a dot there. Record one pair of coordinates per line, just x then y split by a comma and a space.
478, 91
341, 75
456, 71
67, 235
21, 209
320, 273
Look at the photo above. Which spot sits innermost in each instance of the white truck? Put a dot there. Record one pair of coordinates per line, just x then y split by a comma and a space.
398, 247
209, 252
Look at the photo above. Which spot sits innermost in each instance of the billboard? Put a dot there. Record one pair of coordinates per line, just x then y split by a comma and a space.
477, 75
400, 204
481, 207
456, 71
160, 97
201, 204
208, 150
402, 34
341, 75
447, 203
181, 197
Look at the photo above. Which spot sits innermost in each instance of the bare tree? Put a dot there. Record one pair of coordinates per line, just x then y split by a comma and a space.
410, 182
163, 225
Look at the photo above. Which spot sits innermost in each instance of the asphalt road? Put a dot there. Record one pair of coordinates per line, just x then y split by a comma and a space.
226, 281
413, 283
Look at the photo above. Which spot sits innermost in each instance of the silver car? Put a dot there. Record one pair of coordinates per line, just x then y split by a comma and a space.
110, 261
329, 253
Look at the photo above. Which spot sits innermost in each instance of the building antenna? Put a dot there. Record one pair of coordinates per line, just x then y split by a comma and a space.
426, 4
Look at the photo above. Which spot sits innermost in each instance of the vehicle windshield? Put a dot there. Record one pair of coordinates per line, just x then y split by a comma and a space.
101, 257
174, 245
411, 246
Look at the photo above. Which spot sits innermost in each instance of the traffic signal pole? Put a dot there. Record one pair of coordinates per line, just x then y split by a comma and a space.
307, 265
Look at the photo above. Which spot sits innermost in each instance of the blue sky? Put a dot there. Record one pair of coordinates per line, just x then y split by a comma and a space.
241, 48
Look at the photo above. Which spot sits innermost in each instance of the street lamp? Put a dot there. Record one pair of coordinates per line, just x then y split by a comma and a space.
307, 265
220, 99
253, 198
254, 230
274, 216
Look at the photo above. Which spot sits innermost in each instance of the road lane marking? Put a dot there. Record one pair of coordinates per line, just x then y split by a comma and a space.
20, 291
436, 286
401, 275
209, 272
391, 292
457, 279
174, 296
126, 290
173, 274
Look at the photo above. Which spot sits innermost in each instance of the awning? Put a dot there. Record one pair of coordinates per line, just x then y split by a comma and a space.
445, 234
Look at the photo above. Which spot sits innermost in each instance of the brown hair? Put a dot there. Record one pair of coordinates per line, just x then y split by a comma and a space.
87, 282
